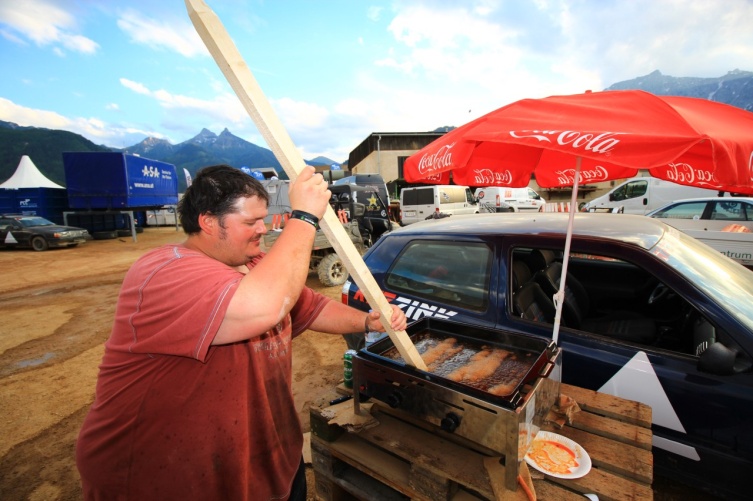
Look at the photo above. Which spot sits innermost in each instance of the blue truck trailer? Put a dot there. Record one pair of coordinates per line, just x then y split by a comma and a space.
108, 190
118, 181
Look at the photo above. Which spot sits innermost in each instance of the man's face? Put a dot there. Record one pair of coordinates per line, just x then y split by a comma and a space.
240, 238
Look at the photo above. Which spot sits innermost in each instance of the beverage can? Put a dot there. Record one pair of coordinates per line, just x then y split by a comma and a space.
348, 368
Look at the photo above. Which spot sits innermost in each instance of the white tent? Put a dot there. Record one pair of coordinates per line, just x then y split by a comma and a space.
28, 176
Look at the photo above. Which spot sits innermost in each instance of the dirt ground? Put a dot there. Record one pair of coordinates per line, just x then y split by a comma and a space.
57, 310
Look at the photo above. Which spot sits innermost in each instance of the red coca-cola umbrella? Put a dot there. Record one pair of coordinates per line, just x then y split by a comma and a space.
592, 137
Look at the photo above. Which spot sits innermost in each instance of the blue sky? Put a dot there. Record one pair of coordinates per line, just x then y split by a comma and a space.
337, 70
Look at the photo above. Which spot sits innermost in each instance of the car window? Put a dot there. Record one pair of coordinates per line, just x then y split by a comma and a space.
630, 190
418, 196
456, 273
731, 211
609, 298
690, 210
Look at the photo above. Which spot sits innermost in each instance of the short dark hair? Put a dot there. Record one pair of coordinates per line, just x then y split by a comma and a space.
215, 191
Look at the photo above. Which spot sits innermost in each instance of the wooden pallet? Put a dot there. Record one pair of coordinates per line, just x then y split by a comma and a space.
400, 460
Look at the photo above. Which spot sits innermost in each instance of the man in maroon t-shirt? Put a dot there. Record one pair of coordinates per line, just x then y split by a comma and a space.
194, 398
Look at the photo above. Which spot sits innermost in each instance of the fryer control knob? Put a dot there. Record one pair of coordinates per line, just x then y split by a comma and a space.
394, 399
450, 422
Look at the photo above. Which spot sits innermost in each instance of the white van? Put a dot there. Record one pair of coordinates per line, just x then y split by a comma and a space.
641, 195
417, 204
520, 199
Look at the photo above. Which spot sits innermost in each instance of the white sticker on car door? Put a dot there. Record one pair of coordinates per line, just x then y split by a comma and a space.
637, 381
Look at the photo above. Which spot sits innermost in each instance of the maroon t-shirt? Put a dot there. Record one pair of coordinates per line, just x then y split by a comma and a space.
177, 418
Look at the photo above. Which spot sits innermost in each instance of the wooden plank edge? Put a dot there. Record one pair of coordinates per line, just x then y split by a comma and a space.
607, 427
611, 406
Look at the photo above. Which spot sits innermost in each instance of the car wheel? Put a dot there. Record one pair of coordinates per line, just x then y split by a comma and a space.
104, 235
39, 244
331, 271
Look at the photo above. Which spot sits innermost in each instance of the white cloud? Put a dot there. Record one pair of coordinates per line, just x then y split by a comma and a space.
93, 129
135, 86
177, 36
374, 13
300, 116
301, 119
44, 23
223, 107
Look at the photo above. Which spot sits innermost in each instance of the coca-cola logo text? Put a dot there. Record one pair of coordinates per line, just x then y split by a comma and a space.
598, 143
683, 173
750, 165
567, 176
441, 160
490, 177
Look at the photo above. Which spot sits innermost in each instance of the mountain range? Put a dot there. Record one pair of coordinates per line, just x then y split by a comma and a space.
45, 146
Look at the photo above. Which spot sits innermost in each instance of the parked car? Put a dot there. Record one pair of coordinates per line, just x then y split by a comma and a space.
519, 199
641, 195
34, 232
726, 224
421, 202
650, 315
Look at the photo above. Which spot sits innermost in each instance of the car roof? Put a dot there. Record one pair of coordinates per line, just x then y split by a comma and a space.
713, 199
637, 230
348, 188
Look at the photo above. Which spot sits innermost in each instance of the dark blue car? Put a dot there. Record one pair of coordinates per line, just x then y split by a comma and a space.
650, 314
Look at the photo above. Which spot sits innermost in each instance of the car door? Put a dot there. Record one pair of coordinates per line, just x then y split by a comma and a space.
699, 418
4, 228
632, 196
417, 204
723, 213
14, 234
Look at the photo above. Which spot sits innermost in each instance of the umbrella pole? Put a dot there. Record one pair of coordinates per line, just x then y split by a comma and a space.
559, 296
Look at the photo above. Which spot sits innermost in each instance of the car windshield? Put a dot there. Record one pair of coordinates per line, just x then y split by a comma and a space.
707, 269
28, 222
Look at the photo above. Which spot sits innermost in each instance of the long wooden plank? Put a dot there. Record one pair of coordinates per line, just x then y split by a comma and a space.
240, 78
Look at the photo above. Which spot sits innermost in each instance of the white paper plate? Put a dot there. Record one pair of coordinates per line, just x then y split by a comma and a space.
582, 462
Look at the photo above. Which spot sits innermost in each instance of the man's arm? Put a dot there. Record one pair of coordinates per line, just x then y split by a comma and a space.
339, 318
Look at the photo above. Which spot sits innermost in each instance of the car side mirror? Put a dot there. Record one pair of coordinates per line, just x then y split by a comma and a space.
359, 210
611, 197
717, 359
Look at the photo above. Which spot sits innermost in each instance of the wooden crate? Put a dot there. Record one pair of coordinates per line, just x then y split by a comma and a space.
400, 460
